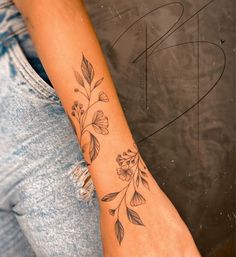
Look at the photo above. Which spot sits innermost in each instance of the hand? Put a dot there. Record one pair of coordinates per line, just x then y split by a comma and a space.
164, 233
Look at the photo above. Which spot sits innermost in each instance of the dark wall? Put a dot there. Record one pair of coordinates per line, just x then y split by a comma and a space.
174, 67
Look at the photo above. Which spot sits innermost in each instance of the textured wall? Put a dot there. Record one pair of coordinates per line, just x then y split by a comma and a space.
173, 65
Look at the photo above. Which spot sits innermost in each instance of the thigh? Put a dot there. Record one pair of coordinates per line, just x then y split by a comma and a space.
43, 177
54, 220
44, 180
13, 243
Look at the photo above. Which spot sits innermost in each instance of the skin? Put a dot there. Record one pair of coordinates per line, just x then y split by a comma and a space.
62, 34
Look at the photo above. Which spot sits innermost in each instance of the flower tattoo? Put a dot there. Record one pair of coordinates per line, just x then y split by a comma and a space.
132, 171
92, 122
99, 124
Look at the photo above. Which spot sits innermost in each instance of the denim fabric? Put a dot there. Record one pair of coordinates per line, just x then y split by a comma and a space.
37, 65
47, 206
29, 51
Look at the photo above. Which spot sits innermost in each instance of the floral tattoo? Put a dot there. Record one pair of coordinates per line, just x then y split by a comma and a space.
131, 171
99, 123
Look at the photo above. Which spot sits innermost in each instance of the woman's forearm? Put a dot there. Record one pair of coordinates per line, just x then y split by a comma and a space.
72, 57
70, 52
137, 219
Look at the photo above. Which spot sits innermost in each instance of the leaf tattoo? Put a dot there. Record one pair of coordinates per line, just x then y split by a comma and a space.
87, 70
145, 183
119, 229
131, 171
134, 217
110, 197
98, 82
94, 147
80, 112
79, 78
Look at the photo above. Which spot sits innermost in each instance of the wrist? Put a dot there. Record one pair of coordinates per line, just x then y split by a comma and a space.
119, 169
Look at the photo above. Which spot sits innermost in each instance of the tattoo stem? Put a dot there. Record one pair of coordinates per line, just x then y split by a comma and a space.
93, 104
124, 196
82, 93
86, 112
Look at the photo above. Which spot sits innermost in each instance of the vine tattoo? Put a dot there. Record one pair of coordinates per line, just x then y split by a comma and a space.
99, 123
131, 171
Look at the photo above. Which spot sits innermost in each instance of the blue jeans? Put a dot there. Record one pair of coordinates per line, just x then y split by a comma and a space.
48, 205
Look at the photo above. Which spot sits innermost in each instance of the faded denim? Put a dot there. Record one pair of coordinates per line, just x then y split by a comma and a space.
47, 206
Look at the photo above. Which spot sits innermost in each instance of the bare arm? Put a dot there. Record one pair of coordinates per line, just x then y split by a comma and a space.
137, 219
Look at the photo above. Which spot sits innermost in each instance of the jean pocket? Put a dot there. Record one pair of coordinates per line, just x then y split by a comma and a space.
28, 73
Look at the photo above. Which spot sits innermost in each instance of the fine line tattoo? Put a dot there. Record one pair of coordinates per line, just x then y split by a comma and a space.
131, 171
88, 128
